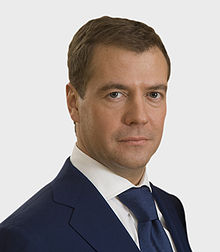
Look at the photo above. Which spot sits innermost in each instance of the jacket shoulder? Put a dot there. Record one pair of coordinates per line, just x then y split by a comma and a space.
31, 223
15, 238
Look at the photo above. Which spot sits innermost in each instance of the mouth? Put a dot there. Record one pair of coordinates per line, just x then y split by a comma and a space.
134, 140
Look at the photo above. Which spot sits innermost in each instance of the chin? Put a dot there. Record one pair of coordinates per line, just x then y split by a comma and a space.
134, 163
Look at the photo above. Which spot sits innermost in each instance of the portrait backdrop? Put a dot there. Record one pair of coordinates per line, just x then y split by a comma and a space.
36, 127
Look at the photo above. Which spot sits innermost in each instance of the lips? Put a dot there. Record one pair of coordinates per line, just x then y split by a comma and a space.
134, 141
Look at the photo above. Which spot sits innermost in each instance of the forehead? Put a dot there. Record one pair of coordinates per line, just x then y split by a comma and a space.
118, 65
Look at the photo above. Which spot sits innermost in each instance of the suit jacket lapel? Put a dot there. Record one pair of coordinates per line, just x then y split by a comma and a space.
92, 217
175, 221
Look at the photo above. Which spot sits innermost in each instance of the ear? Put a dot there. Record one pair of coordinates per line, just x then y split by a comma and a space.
72, 102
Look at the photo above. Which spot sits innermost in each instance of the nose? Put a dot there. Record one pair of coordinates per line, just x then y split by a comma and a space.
136, 112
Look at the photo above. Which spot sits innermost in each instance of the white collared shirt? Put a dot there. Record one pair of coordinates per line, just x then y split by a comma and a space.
110, 185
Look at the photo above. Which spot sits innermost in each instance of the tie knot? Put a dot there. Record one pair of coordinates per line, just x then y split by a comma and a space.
140, 202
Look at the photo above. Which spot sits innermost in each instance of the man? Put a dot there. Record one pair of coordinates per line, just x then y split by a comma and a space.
102, 200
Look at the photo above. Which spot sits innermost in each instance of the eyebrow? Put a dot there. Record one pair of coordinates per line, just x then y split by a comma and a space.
111, 85
158, 87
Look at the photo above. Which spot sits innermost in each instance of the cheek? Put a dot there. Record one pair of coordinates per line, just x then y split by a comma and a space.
157, 120
106, 124
101, 122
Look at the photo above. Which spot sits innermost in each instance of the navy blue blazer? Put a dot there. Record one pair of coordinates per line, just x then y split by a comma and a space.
70, 215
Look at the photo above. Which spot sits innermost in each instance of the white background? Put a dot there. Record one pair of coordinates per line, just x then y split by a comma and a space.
36, 133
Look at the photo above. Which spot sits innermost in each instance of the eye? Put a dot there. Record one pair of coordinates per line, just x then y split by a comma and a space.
154, 95
115, 95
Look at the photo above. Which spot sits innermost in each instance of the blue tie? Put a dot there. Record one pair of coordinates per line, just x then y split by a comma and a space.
152, 237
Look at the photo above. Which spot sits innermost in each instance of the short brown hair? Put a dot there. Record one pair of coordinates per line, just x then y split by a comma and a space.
121, 32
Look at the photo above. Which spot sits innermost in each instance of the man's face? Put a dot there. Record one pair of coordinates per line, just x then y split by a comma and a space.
120, 120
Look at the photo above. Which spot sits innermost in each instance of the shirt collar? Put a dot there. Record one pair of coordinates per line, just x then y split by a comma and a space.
107, 182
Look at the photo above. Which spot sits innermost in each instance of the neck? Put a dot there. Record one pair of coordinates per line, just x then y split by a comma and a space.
132, 175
